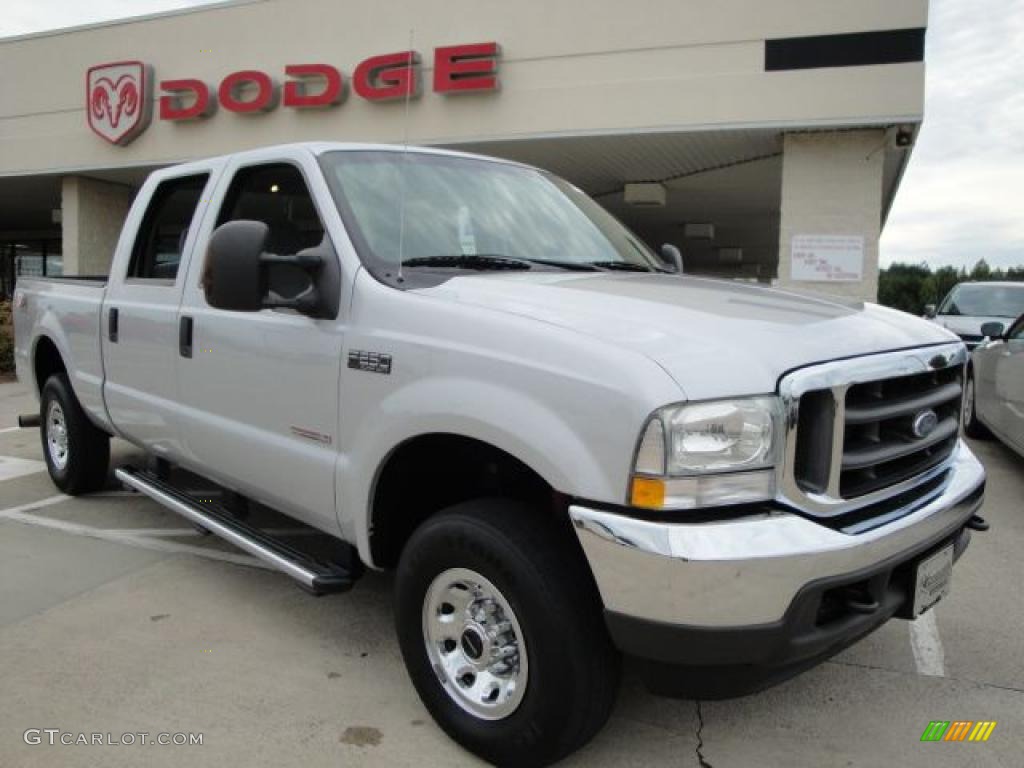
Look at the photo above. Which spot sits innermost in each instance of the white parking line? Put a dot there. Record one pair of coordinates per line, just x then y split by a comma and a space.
13, 466
9, 429
34, 505
136, 536
179, 532
927, 646
173, 533
123, 537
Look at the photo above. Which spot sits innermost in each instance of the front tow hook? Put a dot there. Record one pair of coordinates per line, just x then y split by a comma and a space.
859, 601
978, 523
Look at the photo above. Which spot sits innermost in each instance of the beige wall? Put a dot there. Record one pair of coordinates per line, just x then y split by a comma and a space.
604, 66
832, 185
92, 214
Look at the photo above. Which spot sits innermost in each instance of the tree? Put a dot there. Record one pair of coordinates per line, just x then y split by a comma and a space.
981, 271
939, 283
901, 285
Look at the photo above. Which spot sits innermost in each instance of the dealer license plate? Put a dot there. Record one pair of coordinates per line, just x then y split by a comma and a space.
934, 575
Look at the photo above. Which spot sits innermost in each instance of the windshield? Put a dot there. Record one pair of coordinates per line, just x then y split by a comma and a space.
984, 300
466, 213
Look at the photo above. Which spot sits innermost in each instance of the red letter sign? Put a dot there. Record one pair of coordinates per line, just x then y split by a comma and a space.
172, 106
266, 92
461, 68
296, 92
391, 76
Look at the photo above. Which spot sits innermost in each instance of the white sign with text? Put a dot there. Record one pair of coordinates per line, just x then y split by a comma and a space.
827, 258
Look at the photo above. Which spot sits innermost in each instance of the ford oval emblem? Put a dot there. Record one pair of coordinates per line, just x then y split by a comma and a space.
924, 423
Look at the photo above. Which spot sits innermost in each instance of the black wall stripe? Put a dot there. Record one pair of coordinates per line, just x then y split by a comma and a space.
894, 46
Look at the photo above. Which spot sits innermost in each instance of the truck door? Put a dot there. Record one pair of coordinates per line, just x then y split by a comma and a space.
140, 314
259, 390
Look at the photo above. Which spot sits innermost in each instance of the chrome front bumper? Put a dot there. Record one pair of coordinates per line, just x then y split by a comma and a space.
747, 571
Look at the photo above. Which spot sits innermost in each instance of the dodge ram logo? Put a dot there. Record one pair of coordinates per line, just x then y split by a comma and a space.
117, 100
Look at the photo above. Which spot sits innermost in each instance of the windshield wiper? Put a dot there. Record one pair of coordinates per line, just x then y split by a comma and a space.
480, 261
493, 261
621, 266
572, 266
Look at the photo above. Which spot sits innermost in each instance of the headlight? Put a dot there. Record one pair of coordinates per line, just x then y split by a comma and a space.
708, 454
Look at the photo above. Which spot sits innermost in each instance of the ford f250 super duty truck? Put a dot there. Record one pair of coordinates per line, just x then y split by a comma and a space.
465, 370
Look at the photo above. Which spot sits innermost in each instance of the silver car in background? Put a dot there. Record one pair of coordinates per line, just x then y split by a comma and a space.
968, 306
995, 385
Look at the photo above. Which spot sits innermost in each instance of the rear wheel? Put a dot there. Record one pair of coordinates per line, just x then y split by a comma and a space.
973, 427
77, 453
502, 633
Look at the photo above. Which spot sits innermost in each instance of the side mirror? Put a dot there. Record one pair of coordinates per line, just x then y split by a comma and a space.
240, 275
673, 257
233, 277
929, 310
992, 330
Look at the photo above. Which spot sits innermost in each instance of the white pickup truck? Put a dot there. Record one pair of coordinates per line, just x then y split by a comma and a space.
465, 370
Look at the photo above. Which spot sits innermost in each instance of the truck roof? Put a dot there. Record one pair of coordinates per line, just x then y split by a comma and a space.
321, 147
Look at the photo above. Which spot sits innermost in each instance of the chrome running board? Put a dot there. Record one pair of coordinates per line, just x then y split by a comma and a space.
315, 576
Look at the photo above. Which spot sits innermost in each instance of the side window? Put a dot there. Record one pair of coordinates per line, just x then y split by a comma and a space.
1017, 331
160, 241
276, 195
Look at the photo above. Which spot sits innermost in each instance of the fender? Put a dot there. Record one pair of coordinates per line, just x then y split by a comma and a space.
86, 383
469, 413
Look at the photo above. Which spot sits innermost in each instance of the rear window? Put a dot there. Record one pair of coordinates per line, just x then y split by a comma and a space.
160, 242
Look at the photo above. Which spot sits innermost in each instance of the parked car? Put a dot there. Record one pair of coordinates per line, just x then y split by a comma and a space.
968, 306
995, 385
465, 370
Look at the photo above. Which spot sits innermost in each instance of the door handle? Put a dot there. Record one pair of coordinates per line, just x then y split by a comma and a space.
112, 325
185, 336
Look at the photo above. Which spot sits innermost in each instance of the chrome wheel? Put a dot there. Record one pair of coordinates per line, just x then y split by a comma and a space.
57, 435
475, 644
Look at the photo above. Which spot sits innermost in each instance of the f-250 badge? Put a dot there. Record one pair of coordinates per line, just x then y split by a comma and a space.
374, 362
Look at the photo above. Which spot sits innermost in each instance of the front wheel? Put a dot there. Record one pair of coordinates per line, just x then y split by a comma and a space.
501, 630
972, 426
77, 453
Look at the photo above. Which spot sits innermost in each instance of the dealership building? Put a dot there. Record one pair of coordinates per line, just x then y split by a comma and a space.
766, 140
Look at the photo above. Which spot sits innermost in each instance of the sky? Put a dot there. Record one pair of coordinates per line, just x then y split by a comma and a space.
962, 197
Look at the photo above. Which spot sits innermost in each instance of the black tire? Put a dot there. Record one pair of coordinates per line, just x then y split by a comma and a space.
536, 565
972, 426
83, 466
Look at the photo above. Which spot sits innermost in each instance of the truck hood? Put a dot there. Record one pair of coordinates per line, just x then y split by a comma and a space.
714, 337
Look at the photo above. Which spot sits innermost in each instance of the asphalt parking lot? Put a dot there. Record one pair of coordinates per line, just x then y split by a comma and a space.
118, 617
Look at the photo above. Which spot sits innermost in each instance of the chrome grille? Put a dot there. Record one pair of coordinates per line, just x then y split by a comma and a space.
862, 430
880, 446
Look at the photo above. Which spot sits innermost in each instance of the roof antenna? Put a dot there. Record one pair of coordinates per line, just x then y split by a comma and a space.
410, 85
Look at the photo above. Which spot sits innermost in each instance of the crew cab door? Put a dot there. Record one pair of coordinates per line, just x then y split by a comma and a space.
259, 390
140, 311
